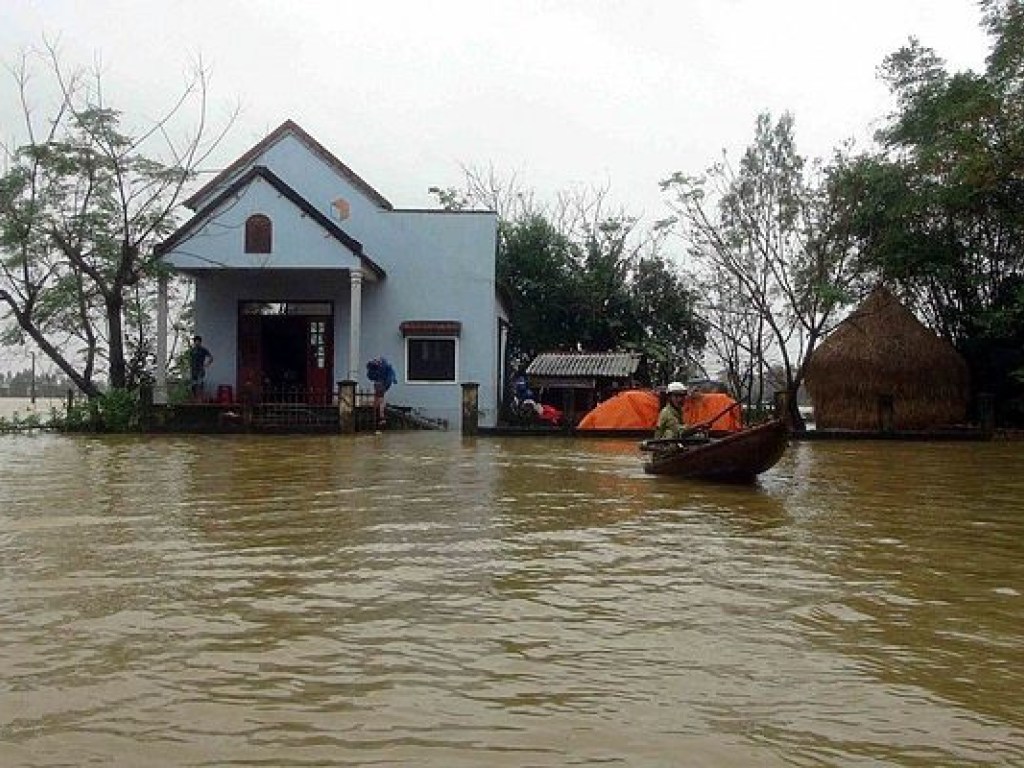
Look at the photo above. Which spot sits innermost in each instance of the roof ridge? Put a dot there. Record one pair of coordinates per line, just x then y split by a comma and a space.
288, 127
261, 171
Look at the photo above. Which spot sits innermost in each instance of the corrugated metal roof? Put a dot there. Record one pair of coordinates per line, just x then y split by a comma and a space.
611, 365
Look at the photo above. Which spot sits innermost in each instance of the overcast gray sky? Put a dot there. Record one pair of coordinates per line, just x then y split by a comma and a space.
561, 92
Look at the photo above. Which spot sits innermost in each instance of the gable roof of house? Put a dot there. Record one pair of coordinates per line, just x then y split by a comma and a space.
289, 127
262, 172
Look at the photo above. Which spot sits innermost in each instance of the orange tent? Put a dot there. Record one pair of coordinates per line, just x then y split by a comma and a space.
700, 408
631, 409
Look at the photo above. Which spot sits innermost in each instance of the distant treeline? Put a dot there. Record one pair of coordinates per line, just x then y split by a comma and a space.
19, 384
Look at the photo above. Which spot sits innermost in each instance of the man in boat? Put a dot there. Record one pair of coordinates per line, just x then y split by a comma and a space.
670, 420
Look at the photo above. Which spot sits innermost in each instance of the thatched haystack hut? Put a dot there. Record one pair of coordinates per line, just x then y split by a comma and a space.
881, 369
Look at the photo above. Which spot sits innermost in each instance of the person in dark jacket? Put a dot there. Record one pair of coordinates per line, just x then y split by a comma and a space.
199, 359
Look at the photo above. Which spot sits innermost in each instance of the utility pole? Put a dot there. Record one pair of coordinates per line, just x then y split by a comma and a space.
32, 381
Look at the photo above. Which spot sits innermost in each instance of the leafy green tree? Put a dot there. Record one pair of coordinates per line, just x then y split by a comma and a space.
736, 340
536, 271
577, 277
670, 331
604, 264
766, 237
629, 296
939, 209
81, 204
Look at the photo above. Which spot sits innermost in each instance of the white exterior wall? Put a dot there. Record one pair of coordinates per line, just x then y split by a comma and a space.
439, 266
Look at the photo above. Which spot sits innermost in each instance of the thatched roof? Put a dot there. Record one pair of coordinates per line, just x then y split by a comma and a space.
883, 355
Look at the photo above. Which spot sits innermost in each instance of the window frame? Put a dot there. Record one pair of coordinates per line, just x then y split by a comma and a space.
432, 337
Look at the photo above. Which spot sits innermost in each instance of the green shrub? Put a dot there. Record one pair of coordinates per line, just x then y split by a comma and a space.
114, 411
119, 410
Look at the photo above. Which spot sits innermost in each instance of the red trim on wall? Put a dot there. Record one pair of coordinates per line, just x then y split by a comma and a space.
431, 328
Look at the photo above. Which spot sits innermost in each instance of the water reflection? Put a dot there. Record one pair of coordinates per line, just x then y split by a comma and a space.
431, 600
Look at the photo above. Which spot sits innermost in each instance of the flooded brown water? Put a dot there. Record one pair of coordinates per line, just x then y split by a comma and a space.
424, 600
20, 408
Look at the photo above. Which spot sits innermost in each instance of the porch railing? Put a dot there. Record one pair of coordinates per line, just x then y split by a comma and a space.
294, 407
284, 395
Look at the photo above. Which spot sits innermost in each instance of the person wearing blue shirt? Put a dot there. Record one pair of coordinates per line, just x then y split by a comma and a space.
521, 386
380, 372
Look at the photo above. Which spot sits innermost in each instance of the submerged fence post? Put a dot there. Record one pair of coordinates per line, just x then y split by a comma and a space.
470, 407
886, 415
146, 406
780, 402
347, 406
986, 414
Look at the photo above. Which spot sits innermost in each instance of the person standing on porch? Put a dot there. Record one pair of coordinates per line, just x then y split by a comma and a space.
199, 359
380, 372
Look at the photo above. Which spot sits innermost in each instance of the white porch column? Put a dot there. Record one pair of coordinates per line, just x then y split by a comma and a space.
160, 385
355, 323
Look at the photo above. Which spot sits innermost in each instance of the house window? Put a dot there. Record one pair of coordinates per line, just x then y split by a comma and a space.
430, 359
258, 234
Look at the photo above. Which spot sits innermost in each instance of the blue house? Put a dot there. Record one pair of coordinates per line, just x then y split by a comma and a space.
303, 272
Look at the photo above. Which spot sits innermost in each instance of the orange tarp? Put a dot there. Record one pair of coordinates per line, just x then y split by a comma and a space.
638, 409
631, 409
701, 408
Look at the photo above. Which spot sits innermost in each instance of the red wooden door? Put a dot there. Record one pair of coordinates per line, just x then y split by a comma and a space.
250, 358
319, 354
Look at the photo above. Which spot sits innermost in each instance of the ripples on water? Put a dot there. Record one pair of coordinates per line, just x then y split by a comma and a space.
422, 600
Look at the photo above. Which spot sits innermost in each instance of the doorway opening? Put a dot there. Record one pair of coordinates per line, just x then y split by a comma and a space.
285, 352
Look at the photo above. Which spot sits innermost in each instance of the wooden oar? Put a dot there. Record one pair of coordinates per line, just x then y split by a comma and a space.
665, 442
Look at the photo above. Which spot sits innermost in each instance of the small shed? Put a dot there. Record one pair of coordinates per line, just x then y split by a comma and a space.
577, 381
881, 369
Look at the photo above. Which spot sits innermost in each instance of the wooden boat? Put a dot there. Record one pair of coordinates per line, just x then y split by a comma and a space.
738, 457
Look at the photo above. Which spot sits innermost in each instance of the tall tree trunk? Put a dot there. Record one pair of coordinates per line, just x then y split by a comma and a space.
115, 340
